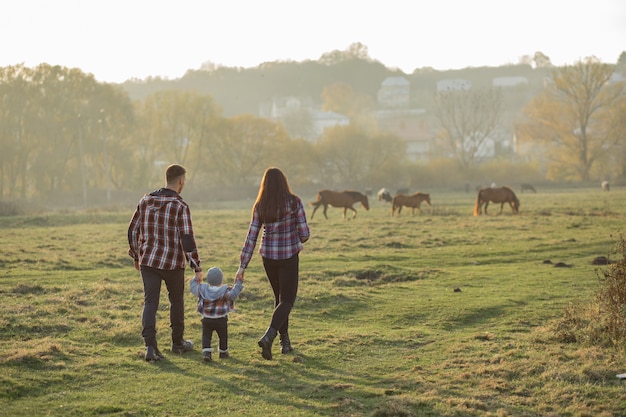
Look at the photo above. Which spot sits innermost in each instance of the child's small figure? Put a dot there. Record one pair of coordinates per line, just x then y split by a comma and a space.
215, 301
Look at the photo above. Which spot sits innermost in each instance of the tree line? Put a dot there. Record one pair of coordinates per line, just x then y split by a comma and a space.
63, 133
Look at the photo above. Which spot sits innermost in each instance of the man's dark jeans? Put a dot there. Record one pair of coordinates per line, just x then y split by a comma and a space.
175, 284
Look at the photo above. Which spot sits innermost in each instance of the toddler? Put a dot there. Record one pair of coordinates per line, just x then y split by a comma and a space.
215, 301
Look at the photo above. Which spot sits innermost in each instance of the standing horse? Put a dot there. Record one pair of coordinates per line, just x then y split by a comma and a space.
384, 194
496, 195
412, 201
341, 199
527, 187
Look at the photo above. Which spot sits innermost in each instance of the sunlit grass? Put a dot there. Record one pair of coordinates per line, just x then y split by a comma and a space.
440, 314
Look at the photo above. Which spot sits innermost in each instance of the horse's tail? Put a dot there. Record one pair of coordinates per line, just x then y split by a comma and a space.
317, 202
477, 206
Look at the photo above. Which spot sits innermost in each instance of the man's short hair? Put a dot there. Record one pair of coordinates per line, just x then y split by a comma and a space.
173, 172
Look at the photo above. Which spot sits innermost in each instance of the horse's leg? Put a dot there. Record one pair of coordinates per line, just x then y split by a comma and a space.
486, 205
501, 206
313, 214
344, 212
325, 208
354, 210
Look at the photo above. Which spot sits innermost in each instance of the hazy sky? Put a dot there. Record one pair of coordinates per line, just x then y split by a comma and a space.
120, 39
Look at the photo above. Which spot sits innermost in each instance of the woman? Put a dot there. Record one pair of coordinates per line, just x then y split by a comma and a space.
285, 229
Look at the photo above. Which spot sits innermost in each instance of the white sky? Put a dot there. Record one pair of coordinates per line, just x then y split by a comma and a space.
120, 39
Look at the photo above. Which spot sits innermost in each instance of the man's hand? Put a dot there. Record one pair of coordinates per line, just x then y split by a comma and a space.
137, 265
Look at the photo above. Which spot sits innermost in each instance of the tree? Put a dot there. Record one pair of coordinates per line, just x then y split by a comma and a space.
355, 51
298, 123
176, 127
468, 119
621, 61
358, 107
245, 146
297, 158
50, 118
542, 60
17, 120
350, 156
576, 119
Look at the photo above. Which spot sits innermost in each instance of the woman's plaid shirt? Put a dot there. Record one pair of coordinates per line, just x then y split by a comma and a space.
281, 239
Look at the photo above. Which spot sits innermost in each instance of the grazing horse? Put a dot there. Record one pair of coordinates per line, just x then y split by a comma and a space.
496, 195
412, 201
606, 186
384, 195
527, 187
345, 199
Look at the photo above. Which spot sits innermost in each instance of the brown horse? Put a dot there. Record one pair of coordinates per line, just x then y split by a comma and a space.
344, 199
496, 195
412, 201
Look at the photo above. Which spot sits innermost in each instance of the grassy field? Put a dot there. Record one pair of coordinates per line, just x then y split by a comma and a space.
440, 314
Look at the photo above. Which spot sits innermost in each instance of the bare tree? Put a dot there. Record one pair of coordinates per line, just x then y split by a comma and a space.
468, 119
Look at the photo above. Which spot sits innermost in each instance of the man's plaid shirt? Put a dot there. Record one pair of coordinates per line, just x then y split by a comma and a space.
160, 234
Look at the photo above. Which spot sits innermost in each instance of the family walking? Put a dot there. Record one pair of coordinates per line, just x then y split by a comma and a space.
162, 243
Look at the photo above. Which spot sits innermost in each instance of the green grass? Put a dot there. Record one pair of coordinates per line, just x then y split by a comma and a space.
441, 314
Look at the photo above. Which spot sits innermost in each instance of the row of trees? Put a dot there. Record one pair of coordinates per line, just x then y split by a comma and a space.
575, 128
63, 132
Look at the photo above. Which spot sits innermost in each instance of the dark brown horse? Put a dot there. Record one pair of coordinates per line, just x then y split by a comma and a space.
412, 201
496, 195
341, 199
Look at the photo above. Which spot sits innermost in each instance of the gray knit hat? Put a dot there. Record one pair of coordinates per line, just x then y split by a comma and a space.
214, 276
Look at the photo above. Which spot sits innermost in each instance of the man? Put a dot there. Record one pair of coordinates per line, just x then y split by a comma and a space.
161, 240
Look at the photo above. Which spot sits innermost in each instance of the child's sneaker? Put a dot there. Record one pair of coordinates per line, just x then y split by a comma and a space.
184, 346
224, 354
206, 356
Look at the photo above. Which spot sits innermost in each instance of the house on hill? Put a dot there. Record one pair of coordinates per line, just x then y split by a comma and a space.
509, 81
285, 110
396, 117
394, 92
410, 125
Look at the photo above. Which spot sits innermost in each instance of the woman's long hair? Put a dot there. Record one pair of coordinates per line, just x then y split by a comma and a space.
274, 192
